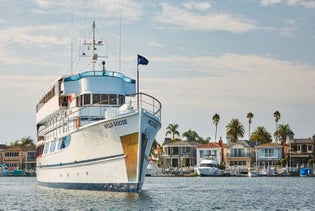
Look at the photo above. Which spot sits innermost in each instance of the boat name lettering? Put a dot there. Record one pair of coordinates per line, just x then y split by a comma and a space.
116, 123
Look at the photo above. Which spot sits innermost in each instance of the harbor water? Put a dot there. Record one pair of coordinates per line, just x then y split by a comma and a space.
168, 193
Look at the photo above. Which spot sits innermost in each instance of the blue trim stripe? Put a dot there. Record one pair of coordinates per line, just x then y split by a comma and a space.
81, 161
114, 187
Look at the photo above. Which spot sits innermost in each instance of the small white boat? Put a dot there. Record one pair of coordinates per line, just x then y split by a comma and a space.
153, 170
208, 167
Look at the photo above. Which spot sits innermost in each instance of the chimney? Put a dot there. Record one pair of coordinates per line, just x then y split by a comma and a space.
220, 142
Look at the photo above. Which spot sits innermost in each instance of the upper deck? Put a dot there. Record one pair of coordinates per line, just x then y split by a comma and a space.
102, 82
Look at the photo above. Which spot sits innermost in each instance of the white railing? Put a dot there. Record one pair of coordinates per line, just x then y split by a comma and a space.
66, 122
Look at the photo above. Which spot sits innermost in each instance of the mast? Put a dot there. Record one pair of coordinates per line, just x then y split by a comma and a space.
93, 44
93, 47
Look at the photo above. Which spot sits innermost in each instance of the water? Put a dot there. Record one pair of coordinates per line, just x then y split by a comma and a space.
168, 193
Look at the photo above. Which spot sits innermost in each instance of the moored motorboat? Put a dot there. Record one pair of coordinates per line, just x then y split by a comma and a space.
208, 167
153, 170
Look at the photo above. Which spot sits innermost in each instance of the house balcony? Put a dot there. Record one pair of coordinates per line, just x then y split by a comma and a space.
238, 155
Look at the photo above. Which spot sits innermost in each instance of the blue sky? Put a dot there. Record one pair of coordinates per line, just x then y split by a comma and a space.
205, 57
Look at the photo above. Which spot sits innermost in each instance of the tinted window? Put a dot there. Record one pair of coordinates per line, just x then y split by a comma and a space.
64, 142
96, 98
87, 99
46, 148
52, 146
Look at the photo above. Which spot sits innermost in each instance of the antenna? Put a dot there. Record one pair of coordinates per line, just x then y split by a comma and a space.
93, 45
71, 38
120, 43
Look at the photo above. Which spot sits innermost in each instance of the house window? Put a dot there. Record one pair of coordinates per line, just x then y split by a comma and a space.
238, 152
268, 153
298, 148
309, 148
174, 151
12, 154
202, 153
31, 156
304, 148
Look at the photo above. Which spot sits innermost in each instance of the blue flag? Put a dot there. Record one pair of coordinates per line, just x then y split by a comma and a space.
142, 60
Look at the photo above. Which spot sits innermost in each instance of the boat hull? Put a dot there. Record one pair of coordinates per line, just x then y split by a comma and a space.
109, 155
208, 171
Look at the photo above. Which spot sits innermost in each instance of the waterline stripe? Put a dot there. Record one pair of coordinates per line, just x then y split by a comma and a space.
114, 187
81, 161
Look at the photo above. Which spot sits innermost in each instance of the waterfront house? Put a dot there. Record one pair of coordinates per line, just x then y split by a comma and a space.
301, 151
240, 155
23, 158
212, 149
268, 154
2, 147
178, 154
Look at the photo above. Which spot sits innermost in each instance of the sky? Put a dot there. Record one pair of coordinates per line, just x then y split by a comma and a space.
205, 57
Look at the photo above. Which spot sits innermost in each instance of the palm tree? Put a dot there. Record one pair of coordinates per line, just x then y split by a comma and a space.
216, 119
191, 136
284, 132
261, 135
26, 141
250, 115
277, 116
235, 129
15, 143
172, 129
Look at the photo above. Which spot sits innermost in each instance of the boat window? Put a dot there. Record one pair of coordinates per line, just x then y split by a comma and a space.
46, 148
78, 101
112, 99
63, 101
121, 99
52, 146
87, 99
64, 142
39, 150
96, 98
104, 98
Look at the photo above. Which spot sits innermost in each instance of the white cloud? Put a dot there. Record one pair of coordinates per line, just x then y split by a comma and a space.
129, 9
289, 29
232, 86
41, 35
17, 41
201, 6
303, 3
236, 78
269, 2
185, 19
155, 44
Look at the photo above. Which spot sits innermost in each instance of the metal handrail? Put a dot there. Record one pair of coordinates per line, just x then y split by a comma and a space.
96, 112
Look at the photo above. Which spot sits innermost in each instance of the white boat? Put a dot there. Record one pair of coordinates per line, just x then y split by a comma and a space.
208, 167
94, 131
153, 170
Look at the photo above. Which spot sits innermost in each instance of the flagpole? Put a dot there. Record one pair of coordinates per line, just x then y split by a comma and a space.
138, 85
